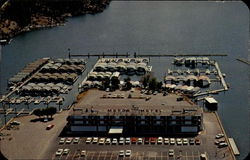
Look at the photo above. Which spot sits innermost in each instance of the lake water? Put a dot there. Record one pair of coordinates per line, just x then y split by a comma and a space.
154, 27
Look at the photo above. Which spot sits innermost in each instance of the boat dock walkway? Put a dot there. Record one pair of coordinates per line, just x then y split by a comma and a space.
144, 55
221, 76
234, 147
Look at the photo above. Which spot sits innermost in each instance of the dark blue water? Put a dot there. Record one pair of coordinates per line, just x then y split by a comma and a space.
154, 27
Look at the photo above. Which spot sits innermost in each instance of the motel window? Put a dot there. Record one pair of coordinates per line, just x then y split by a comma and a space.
101, 122
188, 122
101, 117
158, 117
142, 117
142, 122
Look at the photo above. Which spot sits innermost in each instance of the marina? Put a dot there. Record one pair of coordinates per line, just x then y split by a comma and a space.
121, 29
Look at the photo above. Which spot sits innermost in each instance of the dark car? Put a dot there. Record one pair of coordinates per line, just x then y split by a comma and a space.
146, 140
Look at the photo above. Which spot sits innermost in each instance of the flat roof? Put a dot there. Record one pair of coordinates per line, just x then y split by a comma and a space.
210, 100
118, 104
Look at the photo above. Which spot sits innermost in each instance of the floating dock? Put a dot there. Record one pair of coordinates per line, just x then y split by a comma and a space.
234, 147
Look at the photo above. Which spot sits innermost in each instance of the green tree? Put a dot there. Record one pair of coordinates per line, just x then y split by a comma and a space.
37, 112
153, 84
51, 111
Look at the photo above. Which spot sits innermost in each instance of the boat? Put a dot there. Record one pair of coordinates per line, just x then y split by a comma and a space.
170, 72
207, 72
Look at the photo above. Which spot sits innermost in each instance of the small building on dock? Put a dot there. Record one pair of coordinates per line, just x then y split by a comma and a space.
211, 103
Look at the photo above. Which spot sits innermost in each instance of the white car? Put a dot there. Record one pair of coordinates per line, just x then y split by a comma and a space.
127, 140
83, 153
171, 152
59, 152
185, 141
179, 141
88, 140
101, 141
62, 140
114, 141
95, 140
166, 141
121, 140
69, 140
159, 140
108, 141
128, 153
66, 151
139, 141
218, 136
76, 140
121, 153
172, 141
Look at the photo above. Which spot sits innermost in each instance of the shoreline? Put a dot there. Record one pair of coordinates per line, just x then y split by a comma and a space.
10, 28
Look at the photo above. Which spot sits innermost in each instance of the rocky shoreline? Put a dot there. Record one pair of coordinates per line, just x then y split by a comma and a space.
52, 14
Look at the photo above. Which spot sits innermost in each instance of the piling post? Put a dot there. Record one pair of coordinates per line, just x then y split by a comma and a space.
88, 55
134, 54
102, 54
127, 55
69, 52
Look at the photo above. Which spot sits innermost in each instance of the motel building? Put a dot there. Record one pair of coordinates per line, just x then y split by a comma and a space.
135, 120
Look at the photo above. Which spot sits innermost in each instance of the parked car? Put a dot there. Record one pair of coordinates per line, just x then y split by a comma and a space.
66, 151
88, 140
62, 140
127, 140
95, 140
159, 140
134, 140
83, 153
128, 153
203, 156
146, 140
69, 140
76, 140
153, 140
191, 141
197, 141
108, 141
121, 140
15, 123
171, 152
219, 141
218, 136
49, 126
223, 144
140, 141
114, 141
59, 152
172, 141
101, 141
179, 141
166, 141
185, 141
121, 153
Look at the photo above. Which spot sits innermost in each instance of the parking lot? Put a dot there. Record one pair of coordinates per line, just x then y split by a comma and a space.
140, 151
147, 155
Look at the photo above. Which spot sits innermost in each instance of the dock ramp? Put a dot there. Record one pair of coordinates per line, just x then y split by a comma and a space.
234, 147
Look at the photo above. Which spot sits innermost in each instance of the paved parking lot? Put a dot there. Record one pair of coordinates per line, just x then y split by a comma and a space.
113, 155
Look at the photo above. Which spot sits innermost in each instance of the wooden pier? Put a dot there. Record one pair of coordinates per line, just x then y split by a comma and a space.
99, 55
143, 55
221, 76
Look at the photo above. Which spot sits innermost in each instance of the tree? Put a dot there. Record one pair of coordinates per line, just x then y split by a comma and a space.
51, 111
37, 112
153, 84
145, 80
